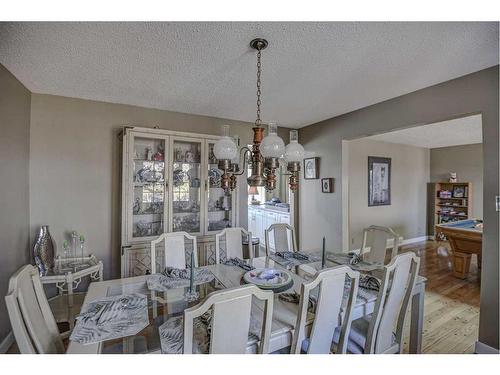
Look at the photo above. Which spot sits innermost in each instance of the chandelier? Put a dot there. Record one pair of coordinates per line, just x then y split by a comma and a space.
264, 156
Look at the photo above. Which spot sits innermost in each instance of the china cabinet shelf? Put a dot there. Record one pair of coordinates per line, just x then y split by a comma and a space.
149, 161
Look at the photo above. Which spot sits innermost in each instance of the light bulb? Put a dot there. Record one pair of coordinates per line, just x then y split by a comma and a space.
272, 146
294, 151
225, 148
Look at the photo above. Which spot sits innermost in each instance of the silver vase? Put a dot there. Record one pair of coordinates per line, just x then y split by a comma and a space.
43, 251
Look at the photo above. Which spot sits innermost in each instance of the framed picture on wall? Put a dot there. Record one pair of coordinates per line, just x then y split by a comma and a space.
379, 181
311, 168
327, 185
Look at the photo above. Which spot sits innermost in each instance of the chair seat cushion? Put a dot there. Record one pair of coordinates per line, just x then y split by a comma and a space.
172, 334
357, 335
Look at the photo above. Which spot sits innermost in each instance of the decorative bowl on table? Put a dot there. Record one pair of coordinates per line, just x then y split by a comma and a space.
269, 278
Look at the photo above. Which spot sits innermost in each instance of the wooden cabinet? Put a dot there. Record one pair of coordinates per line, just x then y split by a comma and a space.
170, 183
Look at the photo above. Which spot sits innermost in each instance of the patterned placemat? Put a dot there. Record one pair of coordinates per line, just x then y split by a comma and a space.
363, 266
290, 259
111, 318
161, 283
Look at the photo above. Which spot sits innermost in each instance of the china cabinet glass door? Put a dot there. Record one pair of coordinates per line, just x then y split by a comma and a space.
219, 205
186, 185
147, 208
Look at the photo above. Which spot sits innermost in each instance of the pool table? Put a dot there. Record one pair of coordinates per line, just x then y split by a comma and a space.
465, 238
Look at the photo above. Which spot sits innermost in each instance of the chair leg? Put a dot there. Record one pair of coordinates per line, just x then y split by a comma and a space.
461, 264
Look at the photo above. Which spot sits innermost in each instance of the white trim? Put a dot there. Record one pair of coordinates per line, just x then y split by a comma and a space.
390, 242
7, 343
414, 240
481, 348
346, 209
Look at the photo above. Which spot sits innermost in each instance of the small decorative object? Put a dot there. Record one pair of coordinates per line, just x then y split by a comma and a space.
189, 157
379, 181
43, 251
149, 153
195, 182
458, 191
66, 249
179, 177
252, 190
453, 177
214, 177
137, 206
191, 295
159, 155
178, 155
311, 168
82, 244
327, 185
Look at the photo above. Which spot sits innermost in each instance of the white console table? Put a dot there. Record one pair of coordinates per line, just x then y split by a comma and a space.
67, 276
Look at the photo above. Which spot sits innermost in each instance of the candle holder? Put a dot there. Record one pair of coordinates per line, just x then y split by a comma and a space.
191, 295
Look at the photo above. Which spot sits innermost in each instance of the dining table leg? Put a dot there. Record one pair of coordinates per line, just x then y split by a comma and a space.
417, 319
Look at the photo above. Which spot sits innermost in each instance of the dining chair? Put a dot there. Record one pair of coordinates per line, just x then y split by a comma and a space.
374, 247
332, 285
231, 239
281, 232
32, 322
382, 331
175, 252
231, 312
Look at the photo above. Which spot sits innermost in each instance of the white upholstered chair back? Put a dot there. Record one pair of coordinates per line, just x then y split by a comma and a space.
230, 241
374, 246
231, 310
331, 283
30, 316
283, 235
385, 332
174, 250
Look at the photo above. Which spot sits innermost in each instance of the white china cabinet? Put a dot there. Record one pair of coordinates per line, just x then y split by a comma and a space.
170, 183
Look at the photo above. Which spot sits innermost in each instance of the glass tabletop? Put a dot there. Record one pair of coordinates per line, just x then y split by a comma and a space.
161, 307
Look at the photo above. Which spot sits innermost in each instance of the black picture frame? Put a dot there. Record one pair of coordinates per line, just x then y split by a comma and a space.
311, 168
379, 181
327, 185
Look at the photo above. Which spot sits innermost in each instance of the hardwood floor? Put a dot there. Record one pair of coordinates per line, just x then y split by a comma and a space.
451, 309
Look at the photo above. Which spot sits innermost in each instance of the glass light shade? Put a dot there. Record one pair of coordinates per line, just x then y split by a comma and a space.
225, 148
294, 151
272, 146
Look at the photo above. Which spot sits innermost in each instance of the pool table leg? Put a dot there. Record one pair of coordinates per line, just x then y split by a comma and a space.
461, 264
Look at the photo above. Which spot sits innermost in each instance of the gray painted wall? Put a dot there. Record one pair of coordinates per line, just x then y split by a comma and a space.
14, 183
409, 177
467, 161
321, 214
76, 162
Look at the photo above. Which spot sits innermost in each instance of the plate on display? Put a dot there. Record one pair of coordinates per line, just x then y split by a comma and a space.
269, 278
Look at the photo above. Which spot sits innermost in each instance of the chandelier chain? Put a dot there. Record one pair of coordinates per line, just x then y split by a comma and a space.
259, 70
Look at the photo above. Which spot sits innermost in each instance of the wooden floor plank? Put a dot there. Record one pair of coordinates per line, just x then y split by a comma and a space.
451, 307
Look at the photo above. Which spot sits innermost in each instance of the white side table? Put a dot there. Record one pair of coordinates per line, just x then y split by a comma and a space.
67, 276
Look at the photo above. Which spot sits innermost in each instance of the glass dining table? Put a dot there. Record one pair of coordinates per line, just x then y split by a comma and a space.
165, 305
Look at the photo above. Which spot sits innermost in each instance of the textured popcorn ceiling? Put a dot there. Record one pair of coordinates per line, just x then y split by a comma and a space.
456, 132
311, 71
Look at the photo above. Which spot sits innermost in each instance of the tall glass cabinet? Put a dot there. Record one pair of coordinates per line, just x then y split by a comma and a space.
170, 183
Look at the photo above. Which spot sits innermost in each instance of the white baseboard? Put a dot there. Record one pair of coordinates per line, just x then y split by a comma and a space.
7, 343
481, 348
414, 240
